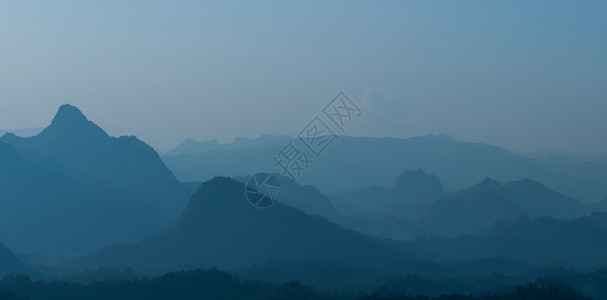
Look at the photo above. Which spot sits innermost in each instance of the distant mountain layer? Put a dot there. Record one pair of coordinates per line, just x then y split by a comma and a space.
473, 209
541, 241
190, 146
220, 228
410, 197
417, 205
568, 155
27, 132
354, 163
74, 188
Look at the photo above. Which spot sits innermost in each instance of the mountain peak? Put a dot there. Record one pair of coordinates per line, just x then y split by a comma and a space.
69, 114
418, 185
489, 181
71, 121
216, 196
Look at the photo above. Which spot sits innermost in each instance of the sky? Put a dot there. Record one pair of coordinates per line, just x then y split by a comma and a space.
525, 75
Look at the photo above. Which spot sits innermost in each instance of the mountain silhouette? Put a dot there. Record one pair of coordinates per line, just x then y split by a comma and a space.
418, 186
469, 210
541, 241
307, 198
10, 264
475, 208
190, 146
390, 212
219, 227
74, 188
410, 197
22, 132
354, 163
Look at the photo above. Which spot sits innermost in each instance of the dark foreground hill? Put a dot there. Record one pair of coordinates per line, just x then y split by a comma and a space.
219, 227
74, 188
213, 284
306, 198
10, 264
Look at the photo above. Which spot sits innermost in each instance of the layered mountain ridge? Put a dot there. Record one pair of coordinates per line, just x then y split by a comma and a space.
220, 227
74, 188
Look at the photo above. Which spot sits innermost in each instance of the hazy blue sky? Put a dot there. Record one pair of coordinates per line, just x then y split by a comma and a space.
526, 75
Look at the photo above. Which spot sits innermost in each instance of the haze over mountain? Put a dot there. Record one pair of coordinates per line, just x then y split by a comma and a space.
475, 208
354, 163
190, 146
410, 197
426, 150
542, 241
26, 132
598, 206
306, 198
73, 187
417, 205
220, 227
566, 154
9, 264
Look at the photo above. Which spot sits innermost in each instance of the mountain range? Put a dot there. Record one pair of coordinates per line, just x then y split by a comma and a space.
26, 132
306, 198
541, 241
190, 146
354, 163
409, 198
417, 204
74, 189
220, 227
474, 209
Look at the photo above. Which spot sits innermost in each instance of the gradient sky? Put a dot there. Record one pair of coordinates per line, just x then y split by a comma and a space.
525, 75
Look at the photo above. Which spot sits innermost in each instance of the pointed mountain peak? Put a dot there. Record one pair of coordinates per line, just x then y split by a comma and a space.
69, 114
71, 121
